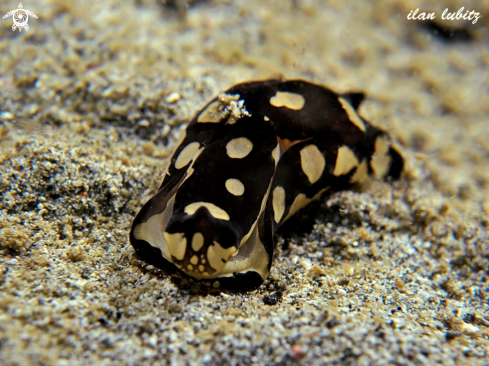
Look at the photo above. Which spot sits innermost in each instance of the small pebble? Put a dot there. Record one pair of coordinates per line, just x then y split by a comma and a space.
273, 299
341, 292
6, 115
297, 352
173, 97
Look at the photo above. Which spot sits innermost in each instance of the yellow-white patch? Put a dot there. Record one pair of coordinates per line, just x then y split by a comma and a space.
197, 241
299, 202
152, 230
286, 144
312, 163
239, 148
381, 159
215, 211
177, 244
218, 256
235, 187
380, 165
292, 101
276, 154
191, 169
251, 256
361, 174
187, 155
278, 203
211, 114
352, 114
345, 161
382, 144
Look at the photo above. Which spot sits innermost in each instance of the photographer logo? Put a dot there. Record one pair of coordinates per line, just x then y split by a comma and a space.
20, 17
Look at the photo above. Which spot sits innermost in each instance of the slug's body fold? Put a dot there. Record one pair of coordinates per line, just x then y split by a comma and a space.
250, 159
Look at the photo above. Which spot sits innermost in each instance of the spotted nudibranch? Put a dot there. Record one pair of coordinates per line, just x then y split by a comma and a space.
250, 159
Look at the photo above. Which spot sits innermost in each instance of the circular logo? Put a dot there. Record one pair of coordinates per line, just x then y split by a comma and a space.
20, 18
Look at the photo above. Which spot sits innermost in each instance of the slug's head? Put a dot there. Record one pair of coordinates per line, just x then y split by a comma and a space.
201, 240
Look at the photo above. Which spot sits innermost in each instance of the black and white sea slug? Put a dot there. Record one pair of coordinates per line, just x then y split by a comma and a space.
250, 159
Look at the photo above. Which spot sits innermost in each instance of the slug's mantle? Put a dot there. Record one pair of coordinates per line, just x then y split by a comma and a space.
250, 159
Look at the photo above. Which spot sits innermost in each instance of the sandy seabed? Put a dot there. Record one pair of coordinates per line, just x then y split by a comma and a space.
92, 98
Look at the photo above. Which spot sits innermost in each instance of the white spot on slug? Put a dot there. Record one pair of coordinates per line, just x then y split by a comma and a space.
197, 241
299, 202
381, 159
218, 256
211, 114
352, 114
239, 148
177, 244
186, 155
215, 211
278, 203
276, 154
235, 187
312, 163
345, 161
361, 174
289, 100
